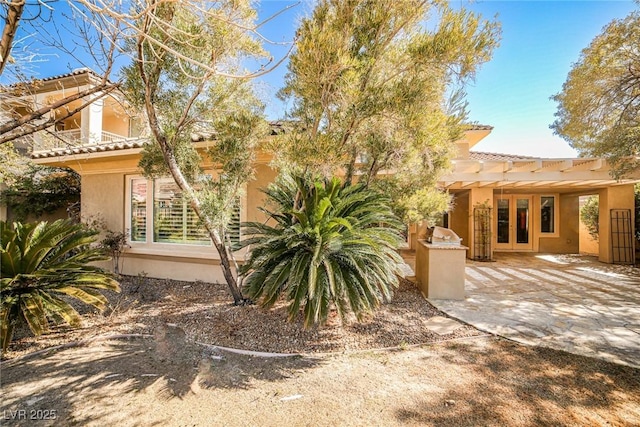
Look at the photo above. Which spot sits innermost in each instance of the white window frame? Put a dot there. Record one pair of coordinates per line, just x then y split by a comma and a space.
163, 248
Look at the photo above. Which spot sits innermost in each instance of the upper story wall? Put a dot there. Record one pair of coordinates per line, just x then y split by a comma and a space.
472, 135
103, 120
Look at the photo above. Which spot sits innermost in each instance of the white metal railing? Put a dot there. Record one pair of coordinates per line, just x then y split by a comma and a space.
71, 138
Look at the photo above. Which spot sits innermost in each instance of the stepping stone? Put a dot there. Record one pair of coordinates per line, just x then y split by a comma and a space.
442, 325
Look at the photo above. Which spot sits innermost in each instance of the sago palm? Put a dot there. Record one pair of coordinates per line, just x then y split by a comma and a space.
329, 246
39, 263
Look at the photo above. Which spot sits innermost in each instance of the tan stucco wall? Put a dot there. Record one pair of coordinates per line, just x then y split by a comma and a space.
568, 241
588, 245
462, 150
616, 197
176, 268
103, 197
115, 123
440, 271
255, 197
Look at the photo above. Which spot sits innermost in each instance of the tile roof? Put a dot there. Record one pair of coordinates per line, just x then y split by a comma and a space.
478, 155
76, 72
476, 126
86, 149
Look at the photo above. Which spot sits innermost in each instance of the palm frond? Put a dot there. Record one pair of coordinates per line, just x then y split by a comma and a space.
40, 260
330, 246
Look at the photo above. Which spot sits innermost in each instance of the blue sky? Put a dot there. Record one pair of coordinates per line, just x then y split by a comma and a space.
540, 41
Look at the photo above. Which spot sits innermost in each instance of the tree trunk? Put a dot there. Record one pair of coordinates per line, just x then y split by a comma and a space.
11, 23
184, 185
351, 167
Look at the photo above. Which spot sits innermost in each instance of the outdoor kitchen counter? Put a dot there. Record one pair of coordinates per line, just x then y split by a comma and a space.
440, 270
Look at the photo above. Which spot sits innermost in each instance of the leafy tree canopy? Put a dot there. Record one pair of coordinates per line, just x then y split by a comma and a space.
40, 190
599, 105
376, 91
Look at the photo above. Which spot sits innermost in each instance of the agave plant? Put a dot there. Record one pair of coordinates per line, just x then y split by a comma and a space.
330, 246
40, 262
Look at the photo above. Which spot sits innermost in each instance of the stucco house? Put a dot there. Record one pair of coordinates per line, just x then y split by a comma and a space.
532, 203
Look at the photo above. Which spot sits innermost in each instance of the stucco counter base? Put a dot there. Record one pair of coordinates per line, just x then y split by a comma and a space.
440, 270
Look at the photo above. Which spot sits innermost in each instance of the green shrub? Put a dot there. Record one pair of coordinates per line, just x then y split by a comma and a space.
39, 263
42, 190
330, 246
590, 215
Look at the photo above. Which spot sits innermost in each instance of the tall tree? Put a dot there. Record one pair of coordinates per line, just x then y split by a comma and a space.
599, 105
376, 91
188, 80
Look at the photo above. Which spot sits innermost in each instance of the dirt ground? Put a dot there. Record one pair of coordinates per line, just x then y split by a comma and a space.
173, 376
169, 381
204, 312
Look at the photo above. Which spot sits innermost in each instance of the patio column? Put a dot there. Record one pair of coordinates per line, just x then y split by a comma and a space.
615, 197
478, 195
91, 122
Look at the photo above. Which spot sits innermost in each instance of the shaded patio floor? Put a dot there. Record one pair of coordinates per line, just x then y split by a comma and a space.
568, 302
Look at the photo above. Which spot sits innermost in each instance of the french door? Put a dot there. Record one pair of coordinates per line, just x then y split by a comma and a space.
513, 223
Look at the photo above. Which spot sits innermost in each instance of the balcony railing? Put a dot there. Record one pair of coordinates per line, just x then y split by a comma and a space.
71, 138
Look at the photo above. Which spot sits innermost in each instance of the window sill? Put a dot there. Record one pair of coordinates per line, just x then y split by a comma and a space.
179, 251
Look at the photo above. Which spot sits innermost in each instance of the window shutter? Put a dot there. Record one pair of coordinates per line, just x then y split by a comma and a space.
138, 210
174, 220
233, 230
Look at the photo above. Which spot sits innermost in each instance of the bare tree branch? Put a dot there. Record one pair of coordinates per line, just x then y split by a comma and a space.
12, 20
24, 126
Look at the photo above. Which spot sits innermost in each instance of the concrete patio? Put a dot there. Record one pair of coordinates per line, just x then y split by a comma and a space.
568, 302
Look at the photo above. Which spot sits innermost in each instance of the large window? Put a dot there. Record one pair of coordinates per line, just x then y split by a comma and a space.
173, 220
547, 214
158, 213
138, 204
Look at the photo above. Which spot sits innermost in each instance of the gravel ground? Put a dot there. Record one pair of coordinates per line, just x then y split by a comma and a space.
172, 377
204, 312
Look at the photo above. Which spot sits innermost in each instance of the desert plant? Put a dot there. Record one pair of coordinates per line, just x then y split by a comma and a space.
41, 190
330, 246
590, 216
41, 262
114, 244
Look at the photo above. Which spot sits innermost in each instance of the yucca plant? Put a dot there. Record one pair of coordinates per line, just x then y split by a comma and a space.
330, 246
39, 262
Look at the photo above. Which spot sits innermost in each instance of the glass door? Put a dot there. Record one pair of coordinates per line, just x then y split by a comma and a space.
513, 223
